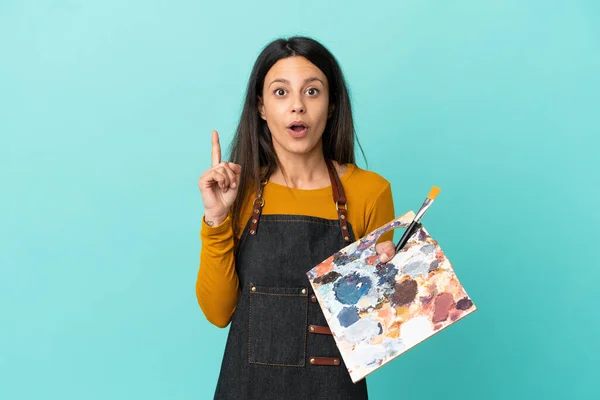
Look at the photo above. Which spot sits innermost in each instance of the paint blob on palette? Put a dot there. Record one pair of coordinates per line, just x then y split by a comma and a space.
378, 311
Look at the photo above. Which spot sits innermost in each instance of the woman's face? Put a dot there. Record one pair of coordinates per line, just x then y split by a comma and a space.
295, 105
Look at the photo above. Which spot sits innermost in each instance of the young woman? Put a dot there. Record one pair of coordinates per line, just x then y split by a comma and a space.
290, 197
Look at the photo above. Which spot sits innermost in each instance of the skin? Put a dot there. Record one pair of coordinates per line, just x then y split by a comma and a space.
294, 90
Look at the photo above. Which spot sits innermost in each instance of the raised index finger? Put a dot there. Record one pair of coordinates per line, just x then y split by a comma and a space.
216, 149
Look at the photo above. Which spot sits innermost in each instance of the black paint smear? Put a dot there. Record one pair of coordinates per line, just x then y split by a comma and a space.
343, 259
464, 304
327, 278
422, 234
435, 264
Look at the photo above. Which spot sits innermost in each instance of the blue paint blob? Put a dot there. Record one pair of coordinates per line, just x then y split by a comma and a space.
427, 249
348, 316
349, 289
387, 274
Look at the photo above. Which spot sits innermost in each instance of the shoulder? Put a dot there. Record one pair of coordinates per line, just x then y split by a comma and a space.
366, 189
370, 200
366, 181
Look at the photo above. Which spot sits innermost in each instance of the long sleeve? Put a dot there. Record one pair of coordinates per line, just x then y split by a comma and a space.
217, 285
381, 212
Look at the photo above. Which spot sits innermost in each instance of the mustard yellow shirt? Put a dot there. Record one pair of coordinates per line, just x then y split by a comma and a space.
370, 205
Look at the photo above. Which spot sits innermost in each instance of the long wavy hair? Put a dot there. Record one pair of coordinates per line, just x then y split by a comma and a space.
252, 147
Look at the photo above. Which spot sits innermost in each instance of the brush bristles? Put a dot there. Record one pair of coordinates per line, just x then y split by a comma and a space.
434, 192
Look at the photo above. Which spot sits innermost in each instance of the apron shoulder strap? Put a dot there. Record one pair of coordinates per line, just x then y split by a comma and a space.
339, 196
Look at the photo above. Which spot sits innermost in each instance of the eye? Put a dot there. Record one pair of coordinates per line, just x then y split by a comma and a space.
279, 92
312, 91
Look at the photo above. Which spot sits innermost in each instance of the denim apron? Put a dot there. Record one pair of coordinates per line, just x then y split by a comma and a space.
279, 345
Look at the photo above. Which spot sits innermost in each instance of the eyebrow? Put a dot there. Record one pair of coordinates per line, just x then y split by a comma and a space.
307, 80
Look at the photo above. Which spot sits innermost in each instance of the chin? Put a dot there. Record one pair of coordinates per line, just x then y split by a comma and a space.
294, 151
305, 145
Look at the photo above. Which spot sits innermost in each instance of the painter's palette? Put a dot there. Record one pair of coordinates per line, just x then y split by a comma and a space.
378, 311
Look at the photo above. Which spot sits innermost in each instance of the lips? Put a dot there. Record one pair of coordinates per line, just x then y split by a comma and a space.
297, 125
297, 129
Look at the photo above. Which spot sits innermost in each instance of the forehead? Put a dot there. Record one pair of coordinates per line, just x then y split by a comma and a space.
294, 69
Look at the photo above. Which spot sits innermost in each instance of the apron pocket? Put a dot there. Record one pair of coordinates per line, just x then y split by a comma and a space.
277, 326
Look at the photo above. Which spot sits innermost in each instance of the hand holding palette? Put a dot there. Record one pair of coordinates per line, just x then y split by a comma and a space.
377, 311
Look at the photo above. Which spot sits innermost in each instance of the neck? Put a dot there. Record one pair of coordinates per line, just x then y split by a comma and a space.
305, 171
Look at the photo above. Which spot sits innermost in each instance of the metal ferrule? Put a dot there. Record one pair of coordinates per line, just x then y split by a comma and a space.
428, 202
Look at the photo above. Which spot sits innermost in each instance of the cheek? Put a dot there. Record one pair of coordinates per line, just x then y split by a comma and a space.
274, 117
322, 110
272, 109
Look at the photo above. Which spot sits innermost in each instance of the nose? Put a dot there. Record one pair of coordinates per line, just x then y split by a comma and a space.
298, 105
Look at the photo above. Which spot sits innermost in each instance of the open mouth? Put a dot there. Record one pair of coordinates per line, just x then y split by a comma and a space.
297, 126
297, 129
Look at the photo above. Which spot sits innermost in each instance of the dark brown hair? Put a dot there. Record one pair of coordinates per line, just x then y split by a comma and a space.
252, 147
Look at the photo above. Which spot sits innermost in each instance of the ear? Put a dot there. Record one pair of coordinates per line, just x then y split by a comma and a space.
261, 108
331, 108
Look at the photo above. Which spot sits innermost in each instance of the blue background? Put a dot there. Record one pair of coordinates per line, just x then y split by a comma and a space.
106, 112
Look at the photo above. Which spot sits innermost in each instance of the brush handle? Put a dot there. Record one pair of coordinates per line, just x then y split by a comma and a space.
407, 234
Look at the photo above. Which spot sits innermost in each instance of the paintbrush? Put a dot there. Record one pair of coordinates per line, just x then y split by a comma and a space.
413, 225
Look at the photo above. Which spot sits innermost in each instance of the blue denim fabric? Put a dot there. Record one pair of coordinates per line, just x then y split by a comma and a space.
268, 347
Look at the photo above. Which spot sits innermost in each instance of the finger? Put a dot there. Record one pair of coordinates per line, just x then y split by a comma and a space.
385, 250
216, 149
380, 247
235, 167
221, 179
208, 179
225, 170
237, 171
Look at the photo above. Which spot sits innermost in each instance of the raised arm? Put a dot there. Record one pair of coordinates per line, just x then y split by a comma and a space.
217, 284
